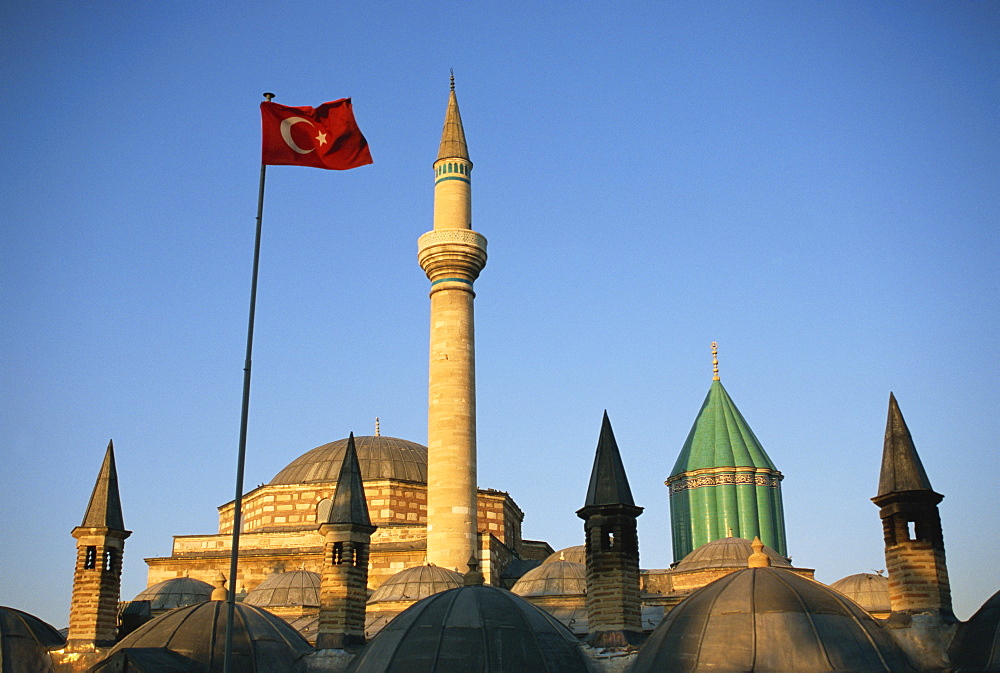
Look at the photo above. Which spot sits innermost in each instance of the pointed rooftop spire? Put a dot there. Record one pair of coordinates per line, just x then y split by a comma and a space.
105, 507
349, 505
453, 135
901, 466
608, 483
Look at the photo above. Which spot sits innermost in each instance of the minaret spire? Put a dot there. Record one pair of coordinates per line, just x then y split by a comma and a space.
452, 255
453, 145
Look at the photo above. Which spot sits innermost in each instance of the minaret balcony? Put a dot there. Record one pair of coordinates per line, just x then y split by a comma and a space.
445, 253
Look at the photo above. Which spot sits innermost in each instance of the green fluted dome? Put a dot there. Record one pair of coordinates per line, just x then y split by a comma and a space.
720, 437
723, 484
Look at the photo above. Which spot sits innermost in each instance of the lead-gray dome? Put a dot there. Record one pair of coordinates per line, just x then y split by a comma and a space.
576, 554
287, 589
976, 646
727, 552
176, 592
380, 458
25, 641
558, 578
413, 584
261, 642
769, 619
472, 628
868, 590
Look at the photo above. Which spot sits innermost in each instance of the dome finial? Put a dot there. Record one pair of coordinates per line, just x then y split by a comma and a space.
377, 433
758, 559
452, 79
715, 361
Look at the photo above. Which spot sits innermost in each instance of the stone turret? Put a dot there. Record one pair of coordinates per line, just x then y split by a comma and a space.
452, 255
100, 543
346, 532
922, 620
612, 549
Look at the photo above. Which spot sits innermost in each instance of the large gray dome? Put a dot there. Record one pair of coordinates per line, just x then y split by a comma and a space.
727, 552
558, 578
288, 589
176, 592
769, 619
262, 643
976, 646
472, 628
576, 554
25, 641
380, 458
413, 584
868, 590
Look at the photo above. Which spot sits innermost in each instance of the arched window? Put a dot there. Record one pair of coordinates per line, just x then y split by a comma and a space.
323, 510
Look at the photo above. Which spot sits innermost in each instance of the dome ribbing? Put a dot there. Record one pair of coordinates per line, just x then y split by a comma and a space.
723, 483
768, 619
720, 437
379, 457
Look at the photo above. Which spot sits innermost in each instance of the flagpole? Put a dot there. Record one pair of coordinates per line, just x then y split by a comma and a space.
227, 662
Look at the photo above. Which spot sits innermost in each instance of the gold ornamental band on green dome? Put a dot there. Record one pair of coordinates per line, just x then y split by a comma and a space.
723, 482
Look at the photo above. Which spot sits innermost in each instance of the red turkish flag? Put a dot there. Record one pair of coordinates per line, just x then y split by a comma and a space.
322, 137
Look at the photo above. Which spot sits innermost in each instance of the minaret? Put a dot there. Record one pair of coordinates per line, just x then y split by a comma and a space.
452, 255
347, 534
100, 542
911, 524
723, 483
614, 609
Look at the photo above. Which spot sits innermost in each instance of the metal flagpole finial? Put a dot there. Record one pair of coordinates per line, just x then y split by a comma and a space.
268, 95
715, 361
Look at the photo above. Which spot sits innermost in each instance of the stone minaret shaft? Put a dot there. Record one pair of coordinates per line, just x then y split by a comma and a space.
347, 533
100, 542
452, 255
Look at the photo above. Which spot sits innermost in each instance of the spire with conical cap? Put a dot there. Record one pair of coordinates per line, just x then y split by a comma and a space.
453, 135
901, 466
349, 505
911, 527
612, 549
608, 483
105, 507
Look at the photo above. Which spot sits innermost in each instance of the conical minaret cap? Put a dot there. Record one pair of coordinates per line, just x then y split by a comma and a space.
105, 507
349, 504
453, 135
901, 466
608, 483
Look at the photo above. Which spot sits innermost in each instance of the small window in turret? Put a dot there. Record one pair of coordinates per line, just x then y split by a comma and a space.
109, 559
90, 558
911, 530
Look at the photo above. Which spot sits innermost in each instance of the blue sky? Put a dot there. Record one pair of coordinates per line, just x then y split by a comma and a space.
813, 185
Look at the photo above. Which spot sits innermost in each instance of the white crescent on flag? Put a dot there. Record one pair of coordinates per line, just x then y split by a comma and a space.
286, 132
